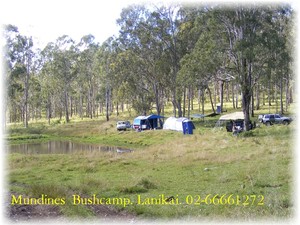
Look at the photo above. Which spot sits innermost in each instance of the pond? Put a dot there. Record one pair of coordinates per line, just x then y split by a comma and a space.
63, 147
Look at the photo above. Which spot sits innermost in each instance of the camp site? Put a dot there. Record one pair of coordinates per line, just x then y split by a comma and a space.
172, 119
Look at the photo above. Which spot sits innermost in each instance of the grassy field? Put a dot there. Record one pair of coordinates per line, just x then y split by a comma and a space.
209, 164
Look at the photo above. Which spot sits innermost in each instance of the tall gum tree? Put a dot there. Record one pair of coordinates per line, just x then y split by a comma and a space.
64, 68
151, 34
245, 27
20, 56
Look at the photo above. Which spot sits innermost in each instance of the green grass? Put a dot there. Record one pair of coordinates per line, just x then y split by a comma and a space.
211, 161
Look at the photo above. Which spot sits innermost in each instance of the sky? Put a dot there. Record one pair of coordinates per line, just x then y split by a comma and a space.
46, 20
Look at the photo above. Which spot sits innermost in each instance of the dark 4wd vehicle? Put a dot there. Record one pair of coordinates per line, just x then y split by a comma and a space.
270, 119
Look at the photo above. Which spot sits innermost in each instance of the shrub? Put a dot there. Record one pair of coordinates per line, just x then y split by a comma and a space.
147, 184
134, 189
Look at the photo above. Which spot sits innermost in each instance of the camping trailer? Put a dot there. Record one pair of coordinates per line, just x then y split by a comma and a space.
230, 119
147, 122
182, 124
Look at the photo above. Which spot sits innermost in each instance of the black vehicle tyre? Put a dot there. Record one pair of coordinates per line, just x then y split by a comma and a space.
285, 122
268, 123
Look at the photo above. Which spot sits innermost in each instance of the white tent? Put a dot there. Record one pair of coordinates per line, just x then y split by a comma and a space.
173, 123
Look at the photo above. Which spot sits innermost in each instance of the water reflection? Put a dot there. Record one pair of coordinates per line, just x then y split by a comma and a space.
63, 147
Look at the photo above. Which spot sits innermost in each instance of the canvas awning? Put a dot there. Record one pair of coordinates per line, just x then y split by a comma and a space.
233, 116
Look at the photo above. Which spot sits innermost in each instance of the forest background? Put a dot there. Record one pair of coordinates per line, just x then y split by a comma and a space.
163, 54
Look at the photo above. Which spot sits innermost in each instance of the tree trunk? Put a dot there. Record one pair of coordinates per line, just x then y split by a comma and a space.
66, 106
81, 106
215, 94
257, 96
71, 106
199, 99
237, 96
107, 103
192, 98
157, 99
227, 92
263, 98
221, 94
203, 101
211, 101
26, 87
246, 91
287, 99
174, 105
291, 95
90, 108
49, 109
252, 104
246, 98
233, 102
184, 101
179, 107
117, 108
189, 101
269, 93
275, 98
281, 96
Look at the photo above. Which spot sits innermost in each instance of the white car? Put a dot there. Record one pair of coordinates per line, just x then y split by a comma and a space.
270, 119
123, 125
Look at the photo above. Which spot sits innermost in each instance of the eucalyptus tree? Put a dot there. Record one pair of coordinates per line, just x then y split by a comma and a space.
150, 33
20, 66
103, 67
188, 34
273, 56
13, 86
141, 53
124, 66
206, 62
49, 83
169, 18
248, 35
289, 35
87, 75
62, 65
282, 46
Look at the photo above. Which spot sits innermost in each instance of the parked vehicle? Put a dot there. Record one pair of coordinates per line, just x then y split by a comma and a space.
270, 119
234, 121
260, 117
123, 125
238, 124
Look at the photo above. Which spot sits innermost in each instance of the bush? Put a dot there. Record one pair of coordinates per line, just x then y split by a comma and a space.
141, 187
134, 189
147, 184
249, 133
